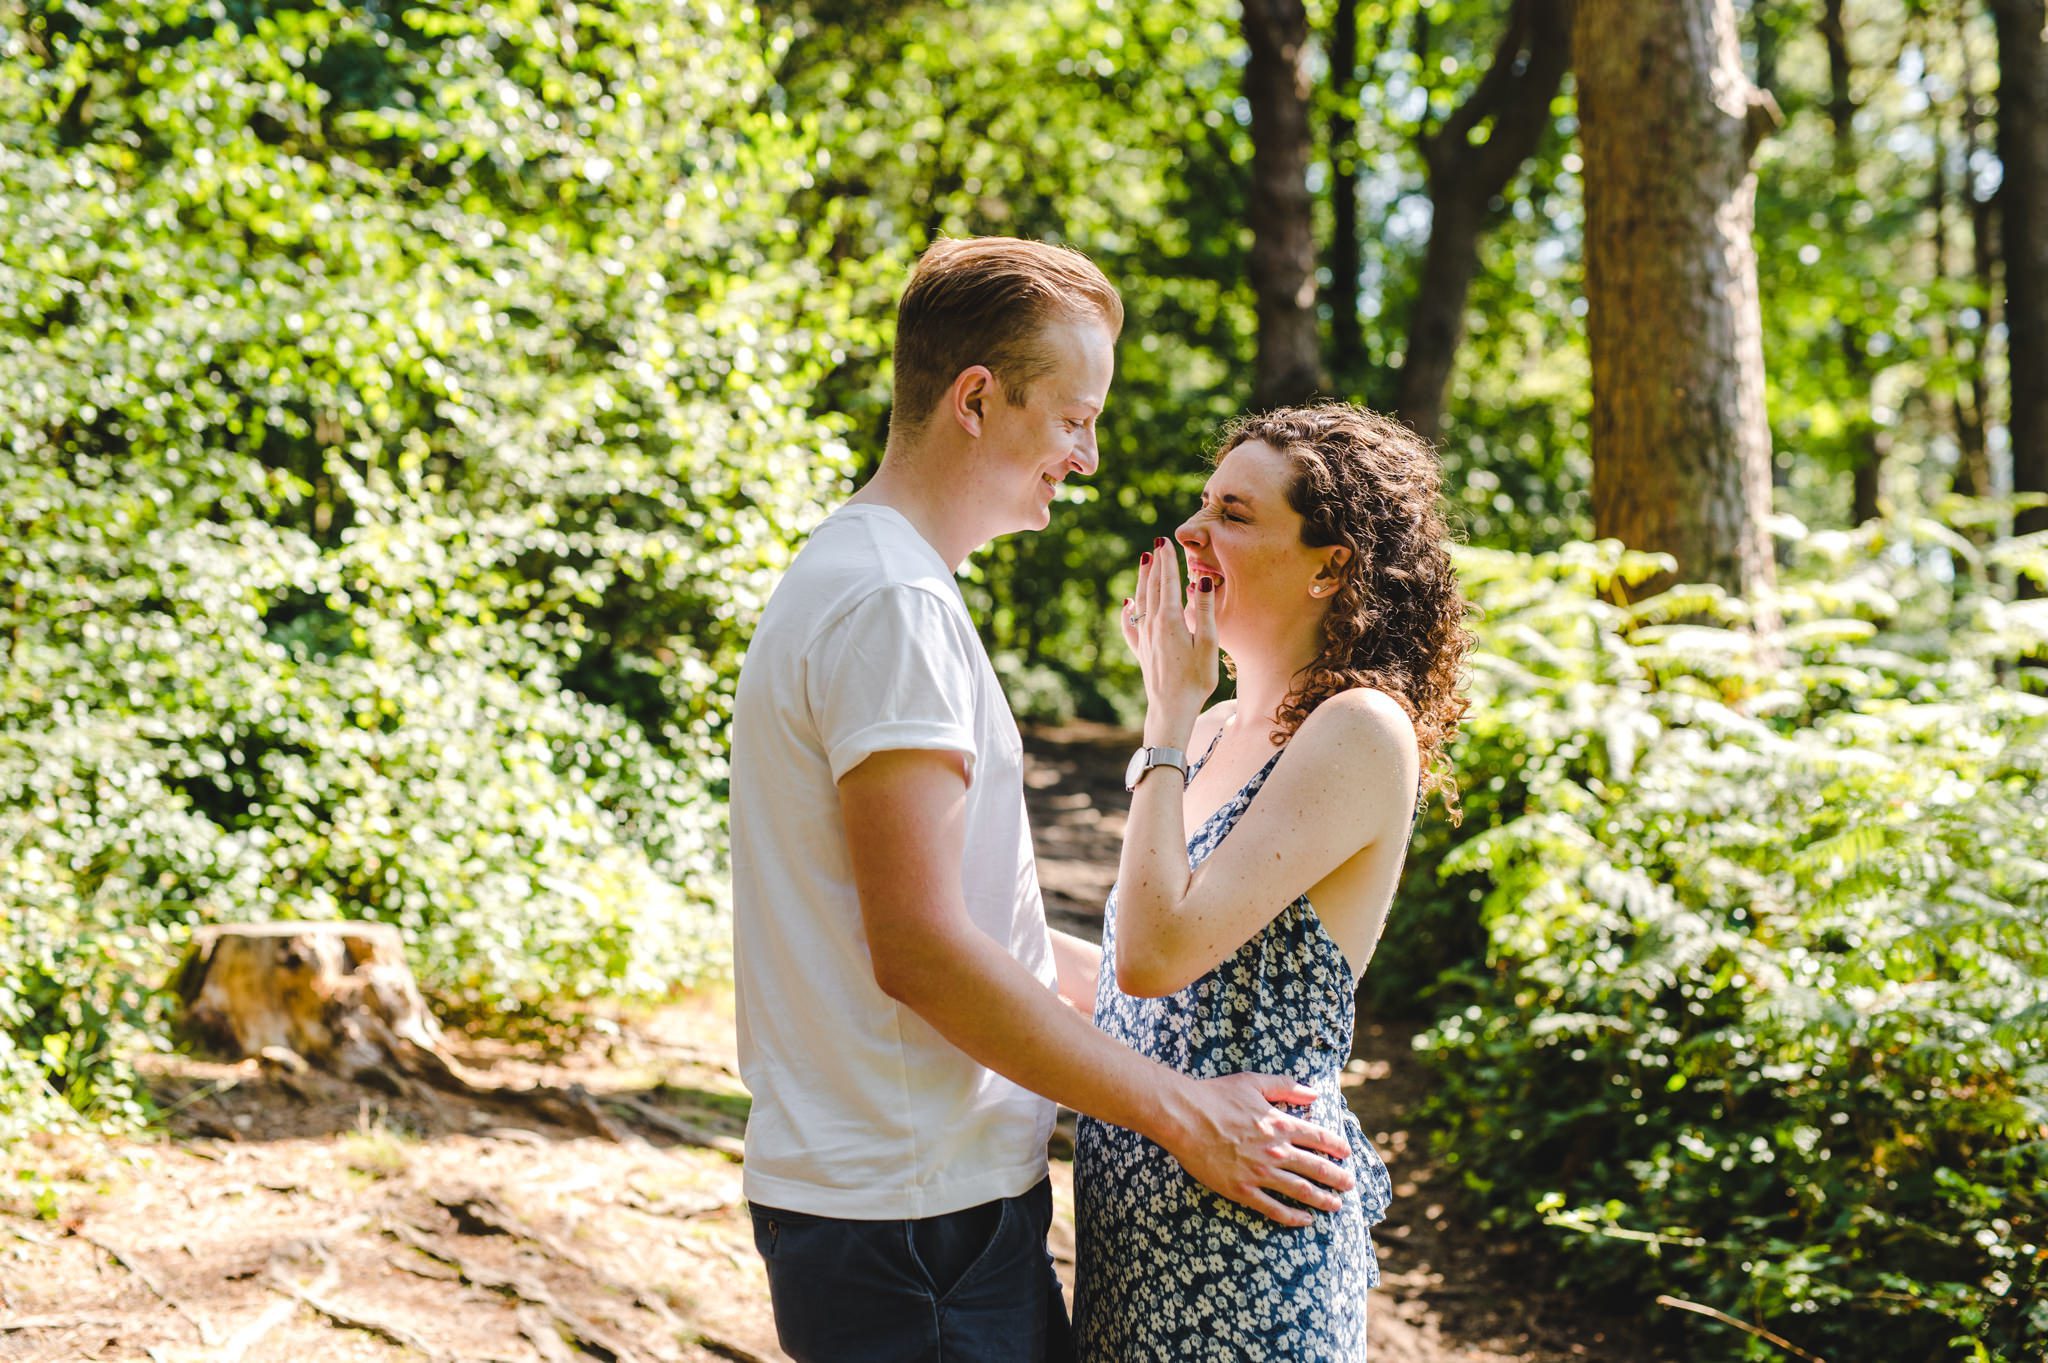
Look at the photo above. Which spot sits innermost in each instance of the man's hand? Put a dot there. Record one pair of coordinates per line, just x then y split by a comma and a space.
1230, 1137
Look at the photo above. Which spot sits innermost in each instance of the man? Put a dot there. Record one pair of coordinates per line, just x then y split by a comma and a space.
901, 1018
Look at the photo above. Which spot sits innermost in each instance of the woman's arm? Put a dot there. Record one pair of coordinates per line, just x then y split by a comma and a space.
1342, 786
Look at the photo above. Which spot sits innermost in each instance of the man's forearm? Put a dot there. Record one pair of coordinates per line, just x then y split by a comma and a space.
978, 997
1079, 963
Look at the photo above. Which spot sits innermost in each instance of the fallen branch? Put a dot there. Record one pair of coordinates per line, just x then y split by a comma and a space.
689, 1133
1757, 1330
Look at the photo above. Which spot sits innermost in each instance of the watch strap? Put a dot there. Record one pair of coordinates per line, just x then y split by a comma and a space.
1148, 758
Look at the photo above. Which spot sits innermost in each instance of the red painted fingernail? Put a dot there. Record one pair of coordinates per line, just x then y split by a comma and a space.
1205, 585
1159, 543
1144, 560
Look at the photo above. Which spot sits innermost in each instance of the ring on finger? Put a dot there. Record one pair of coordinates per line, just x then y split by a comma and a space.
1136, 617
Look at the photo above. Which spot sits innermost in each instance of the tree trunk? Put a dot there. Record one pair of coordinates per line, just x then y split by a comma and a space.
1283, 262
1866, 462
2023, 211
1466, 180
1681, 451
1973, 402
1763, 32
1347, 336
337, 995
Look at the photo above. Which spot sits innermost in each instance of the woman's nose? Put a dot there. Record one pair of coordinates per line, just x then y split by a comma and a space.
1188, 535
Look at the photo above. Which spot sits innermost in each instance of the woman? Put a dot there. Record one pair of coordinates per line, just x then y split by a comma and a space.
1254, 882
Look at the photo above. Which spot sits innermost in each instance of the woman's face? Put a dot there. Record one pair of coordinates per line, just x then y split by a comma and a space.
1248, 540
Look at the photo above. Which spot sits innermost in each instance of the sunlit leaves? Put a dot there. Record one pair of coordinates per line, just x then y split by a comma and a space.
1766, 943
407, 416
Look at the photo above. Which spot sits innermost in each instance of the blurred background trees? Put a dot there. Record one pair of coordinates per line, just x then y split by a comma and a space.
408, 410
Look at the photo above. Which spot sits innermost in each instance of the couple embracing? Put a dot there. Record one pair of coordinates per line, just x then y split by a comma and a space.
907, 1021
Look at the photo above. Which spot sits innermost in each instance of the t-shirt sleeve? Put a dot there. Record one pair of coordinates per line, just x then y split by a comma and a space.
896, 671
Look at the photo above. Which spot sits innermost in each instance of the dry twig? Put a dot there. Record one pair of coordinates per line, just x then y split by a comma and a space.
1757, 1330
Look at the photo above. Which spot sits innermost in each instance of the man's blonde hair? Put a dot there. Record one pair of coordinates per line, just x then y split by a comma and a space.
987, 301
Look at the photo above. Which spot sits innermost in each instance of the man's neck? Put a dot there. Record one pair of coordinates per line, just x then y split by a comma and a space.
907, 483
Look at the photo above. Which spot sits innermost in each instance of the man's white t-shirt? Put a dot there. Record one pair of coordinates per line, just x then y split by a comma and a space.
860, 1109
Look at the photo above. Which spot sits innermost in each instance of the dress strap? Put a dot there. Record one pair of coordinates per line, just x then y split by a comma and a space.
1205, 753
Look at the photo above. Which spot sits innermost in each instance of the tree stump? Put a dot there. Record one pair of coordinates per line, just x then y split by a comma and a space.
338, 995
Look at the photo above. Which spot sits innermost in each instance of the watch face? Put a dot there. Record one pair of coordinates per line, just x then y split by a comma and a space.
1134, 770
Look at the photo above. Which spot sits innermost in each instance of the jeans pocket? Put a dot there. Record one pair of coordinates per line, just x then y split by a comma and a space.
767, 1232
947, 1251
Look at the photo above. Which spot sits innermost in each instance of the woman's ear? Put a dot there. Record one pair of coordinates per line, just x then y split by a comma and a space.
1330, 576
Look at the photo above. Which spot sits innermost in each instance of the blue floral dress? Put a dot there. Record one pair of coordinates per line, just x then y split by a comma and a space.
1166, 1269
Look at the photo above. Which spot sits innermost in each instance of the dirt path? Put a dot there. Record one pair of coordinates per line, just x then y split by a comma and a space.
285, 1218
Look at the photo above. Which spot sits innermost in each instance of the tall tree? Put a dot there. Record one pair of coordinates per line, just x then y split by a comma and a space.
1669, 122
1866, 453
2023, 214
1467, 170
1965, 340
1347, 336
1283, 260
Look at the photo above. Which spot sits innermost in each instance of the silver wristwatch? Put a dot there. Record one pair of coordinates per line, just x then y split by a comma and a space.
1144, 759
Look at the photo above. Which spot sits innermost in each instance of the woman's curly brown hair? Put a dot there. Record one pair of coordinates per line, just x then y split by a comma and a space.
1397, 622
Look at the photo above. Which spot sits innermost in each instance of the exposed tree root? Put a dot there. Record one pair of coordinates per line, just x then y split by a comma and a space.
127, 1260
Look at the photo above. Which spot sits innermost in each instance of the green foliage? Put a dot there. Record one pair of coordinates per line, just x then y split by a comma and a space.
406, 416
1115, 129
1877, 313
1762, 1014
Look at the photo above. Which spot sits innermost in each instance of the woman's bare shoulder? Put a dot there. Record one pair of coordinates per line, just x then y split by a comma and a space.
1363, 724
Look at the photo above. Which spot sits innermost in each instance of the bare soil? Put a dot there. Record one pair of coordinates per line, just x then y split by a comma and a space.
279, 1217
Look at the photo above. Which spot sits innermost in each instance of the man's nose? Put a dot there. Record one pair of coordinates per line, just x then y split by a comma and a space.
1087, 458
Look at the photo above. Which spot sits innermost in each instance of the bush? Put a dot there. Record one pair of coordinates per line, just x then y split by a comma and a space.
406, 420
1762, 1019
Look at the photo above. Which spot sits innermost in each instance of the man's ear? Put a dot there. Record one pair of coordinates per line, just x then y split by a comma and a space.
974, 388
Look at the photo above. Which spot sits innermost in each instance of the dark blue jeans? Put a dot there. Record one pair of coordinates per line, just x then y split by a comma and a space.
972, 1286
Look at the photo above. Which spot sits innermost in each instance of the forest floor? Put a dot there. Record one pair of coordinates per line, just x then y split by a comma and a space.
282, 1218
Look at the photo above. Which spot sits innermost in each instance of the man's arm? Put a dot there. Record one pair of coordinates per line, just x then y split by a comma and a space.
1078, 963
904, 813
